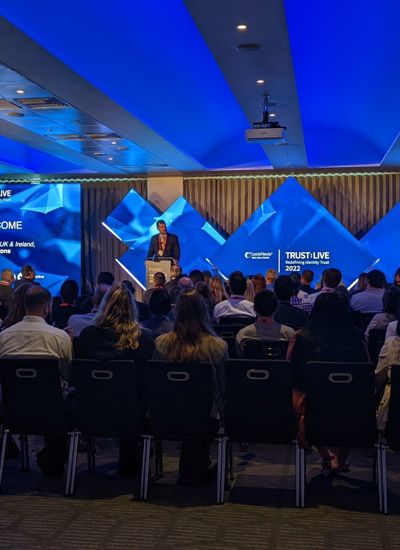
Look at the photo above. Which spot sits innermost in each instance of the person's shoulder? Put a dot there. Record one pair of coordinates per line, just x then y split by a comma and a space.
247, 330
288, 332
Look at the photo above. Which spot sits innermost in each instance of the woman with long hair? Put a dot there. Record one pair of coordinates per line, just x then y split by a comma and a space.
116, 334
192, 340
217, 290
259, 282
328, 336
17, 310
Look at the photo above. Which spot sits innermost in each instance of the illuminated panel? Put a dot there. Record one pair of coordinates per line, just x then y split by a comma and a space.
197, 239
290, 232
41, 225
383, 241
131, 218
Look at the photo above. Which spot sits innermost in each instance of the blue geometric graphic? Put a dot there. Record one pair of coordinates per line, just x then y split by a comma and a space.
197, 239
291, 231
41, 225
383, 241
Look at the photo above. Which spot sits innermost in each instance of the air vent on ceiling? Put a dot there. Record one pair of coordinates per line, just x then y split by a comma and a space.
155, 165
42, 103
249, 47
7, 105
103, 137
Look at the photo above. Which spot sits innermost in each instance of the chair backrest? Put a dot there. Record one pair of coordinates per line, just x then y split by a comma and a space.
227, 330
181, 399
340, 404
265, 349
362, 320
32, 396
393, 425
106, 398
242, 320
258, 401
376, 339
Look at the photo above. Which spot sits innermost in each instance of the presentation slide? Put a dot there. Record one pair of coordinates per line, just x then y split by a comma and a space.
291, 231
40, 225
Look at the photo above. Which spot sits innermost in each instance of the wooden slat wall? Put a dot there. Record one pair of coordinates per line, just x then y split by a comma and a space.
358, 201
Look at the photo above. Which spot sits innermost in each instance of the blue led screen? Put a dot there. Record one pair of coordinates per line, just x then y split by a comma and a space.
291, 231
41, 225
383, 241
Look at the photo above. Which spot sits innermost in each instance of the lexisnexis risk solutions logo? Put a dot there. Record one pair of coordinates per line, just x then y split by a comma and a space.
249, 255
5, 195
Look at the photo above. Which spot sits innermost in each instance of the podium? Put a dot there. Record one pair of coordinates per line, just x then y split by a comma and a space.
163, 265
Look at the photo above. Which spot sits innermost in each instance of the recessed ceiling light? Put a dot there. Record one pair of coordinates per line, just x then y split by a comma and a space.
110, 158
260, 81
20, 91
241, 27
272, 114
113, 143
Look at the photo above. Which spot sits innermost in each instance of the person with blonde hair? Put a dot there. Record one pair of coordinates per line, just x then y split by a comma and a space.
259, 282
115, 334
249, 292
192, 340
270, 277
217, 290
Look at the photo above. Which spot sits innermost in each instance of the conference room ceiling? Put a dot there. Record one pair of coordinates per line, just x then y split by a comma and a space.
170, 86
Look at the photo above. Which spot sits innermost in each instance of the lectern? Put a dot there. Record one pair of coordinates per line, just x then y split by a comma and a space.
163, 265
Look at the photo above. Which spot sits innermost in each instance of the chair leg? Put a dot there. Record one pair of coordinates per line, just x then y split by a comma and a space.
91, 454
384, 479
230, 459
374, 464
158, 455
3, 451
144, 478
302, 468
221, 469
297, 474
71, 467
379, 464
24, 452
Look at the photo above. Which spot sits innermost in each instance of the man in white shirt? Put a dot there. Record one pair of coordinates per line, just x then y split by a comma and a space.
236, 305
330, 281
33, 336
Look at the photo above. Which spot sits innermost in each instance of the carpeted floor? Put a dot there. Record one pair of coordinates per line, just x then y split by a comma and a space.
259, 511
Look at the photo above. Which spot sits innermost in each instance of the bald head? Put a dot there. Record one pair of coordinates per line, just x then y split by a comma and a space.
185, 283
37, 301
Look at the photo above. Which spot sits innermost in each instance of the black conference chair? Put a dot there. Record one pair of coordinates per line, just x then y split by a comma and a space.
181, 399
376, 339
106, 405
228, 334
265, 349
392, 434
33, 402
258, 405
242, 320
362, 320
340, 405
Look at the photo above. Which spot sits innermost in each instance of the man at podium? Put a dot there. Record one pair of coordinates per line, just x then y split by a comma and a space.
164, 245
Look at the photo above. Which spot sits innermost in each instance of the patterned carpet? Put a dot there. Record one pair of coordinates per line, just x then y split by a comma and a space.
259, 511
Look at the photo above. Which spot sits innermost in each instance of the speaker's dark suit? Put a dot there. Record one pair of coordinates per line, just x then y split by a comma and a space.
172, 249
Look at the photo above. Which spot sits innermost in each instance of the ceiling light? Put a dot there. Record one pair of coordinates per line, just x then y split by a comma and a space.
260, 81
113, 143
110, 158
272, 114
20, 91
241, 27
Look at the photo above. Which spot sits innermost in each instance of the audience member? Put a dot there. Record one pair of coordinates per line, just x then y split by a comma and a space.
104, 279
192, 340
249, 292
305, 281
299, 298
69, 293
259, 282
158, 282
236, 305
370, 299
207, 276
16, 311
360, 285
396, 279
285, 313
176, 270
196, 275
328, 336
28, 275
390, 311
160, 308
6, 291
203, 289
270, 278
265, 327
80, 321
115, 334
330, 281
217, 290
389, 355
183, 283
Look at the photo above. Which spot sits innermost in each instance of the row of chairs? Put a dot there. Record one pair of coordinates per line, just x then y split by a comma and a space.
340, 408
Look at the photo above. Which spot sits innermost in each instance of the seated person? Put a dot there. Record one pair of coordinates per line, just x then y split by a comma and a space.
270, 278
285, 313
305, 281
330, 282
183, 282
69, 293
158, 282
259, 282
370, 299
265, 328
104, 279
360, 285
389, 355
176, 270
390, 311
6, 291
80, 321
161, 313
28, 275
299, 298
236, 305
204, 290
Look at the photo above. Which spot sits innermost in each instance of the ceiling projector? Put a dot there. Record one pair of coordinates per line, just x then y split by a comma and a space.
266, 132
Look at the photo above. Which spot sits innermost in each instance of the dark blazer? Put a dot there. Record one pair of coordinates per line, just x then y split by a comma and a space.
172, 249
